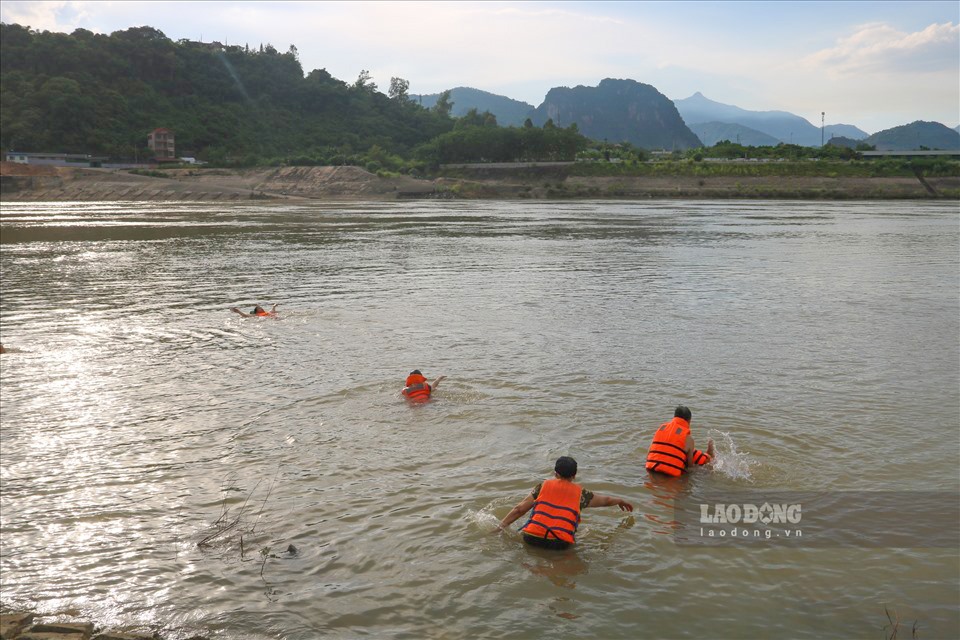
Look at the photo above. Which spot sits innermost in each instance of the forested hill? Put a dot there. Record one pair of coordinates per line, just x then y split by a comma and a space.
916, 135
102, 94
509, 112
619, 111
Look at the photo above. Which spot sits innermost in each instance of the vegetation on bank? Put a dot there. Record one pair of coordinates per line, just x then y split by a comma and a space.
238, 105
802, 168
232, 106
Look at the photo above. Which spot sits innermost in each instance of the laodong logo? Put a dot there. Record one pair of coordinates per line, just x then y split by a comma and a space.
766, 513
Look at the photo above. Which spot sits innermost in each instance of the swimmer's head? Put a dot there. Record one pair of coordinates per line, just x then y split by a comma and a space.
682, 412
566, 467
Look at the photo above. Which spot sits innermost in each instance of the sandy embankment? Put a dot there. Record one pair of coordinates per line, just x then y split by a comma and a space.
44, 183
32, 183
547, 182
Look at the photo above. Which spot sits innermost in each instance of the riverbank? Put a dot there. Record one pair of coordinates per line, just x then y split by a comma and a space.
63, 184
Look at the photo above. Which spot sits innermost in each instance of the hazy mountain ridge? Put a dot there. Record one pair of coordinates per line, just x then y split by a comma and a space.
782, 125
710, 133
713, 121
509, 112
931, 135
618, 111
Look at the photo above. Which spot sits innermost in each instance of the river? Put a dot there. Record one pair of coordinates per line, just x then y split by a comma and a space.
167, 464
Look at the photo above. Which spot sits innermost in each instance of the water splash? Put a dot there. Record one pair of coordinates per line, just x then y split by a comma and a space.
727, 460
484, 519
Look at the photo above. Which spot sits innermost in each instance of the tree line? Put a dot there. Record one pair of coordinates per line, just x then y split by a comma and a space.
230, 105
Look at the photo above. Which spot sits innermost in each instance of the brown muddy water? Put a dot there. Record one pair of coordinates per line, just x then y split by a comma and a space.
160, 454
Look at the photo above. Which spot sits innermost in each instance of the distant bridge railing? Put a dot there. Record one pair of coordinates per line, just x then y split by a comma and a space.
917, 152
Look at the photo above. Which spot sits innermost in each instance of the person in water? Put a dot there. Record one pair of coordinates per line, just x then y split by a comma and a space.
672, 450
417, 388
258, 311
556, 505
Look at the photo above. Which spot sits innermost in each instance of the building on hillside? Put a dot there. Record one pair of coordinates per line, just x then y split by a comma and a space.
161, 142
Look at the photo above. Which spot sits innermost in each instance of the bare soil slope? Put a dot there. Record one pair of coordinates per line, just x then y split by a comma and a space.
25, 182
22, 182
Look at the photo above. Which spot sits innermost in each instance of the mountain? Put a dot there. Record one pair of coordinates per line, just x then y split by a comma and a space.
785, 127
618, 111
710, 133
844, 131
509, 112
915, 135
841, 141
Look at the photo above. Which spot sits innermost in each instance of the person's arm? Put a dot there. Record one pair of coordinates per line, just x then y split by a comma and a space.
433, 385
274, 308
522, 507
698, 457
235, 310
600, 500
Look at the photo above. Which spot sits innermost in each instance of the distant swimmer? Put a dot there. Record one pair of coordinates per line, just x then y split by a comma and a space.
417, 389
556, 505
258, 312
672, 450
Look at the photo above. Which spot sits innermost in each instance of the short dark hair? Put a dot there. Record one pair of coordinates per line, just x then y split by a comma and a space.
683, 411
566, 467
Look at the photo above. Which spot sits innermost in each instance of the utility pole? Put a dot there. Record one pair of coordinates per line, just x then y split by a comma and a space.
823, 115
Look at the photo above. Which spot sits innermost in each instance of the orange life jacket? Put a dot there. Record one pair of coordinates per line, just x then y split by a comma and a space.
417, 388
668, 451
556, 511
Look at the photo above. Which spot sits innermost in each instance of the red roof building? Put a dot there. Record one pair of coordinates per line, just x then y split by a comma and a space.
161, 142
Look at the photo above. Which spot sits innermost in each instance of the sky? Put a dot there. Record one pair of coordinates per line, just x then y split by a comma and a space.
874, 65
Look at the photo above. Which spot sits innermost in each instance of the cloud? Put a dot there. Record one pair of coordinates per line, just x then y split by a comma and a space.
41, 16
441, 45
56, 15
879, 48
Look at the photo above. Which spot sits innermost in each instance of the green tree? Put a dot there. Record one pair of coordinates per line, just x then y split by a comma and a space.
399, 90
444, 105
365, 82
